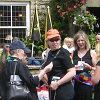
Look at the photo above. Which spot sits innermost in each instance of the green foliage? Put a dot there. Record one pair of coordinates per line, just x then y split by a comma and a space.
63, 12
38, 45
67, 7
27, 41
85, 19
92, 40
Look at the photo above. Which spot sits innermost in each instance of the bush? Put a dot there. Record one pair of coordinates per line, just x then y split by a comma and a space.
92, 40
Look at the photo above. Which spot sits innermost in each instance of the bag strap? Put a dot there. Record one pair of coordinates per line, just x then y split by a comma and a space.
14, 71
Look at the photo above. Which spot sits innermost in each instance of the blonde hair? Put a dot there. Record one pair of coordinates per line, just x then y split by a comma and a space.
68, 39
85, 37
97, 49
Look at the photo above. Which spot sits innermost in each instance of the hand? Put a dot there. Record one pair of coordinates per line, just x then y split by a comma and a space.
54, 85
45, 79
92, 72
48, 68
87, 66
77, 67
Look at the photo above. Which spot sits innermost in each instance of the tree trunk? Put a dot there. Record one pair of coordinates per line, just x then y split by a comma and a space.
71, 26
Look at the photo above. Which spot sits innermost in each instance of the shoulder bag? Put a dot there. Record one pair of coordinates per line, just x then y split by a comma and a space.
17, 90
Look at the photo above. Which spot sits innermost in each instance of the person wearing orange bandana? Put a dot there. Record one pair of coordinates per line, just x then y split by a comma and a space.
59, 78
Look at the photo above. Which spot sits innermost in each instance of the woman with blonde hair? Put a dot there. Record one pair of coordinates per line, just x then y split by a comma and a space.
83, 58
96, 75
68, 44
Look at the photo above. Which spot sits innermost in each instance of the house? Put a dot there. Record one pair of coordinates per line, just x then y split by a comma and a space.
16, 18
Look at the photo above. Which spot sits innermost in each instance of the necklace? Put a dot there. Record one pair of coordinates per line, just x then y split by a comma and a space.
81, 53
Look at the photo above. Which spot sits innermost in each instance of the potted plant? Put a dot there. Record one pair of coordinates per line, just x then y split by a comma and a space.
85, 20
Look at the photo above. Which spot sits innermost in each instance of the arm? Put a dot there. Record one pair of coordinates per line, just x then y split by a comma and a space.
45, 79
45, 70
96, 76
69, 75
94, 57
94, 61
28, 78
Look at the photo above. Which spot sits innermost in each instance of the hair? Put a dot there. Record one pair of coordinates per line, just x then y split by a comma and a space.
97, 49
84, 36
3, 58
15, 39
12, 52
67, 39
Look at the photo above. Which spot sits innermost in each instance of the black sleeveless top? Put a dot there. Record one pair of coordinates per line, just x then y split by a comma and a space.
87, 58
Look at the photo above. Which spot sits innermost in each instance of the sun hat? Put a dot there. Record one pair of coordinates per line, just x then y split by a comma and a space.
19, 45
52, 33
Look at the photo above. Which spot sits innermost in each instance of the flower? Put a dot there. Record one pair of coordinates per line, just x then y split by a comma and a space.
75, 6
58, 6
85, 19
70, 7
82, 1
63, 13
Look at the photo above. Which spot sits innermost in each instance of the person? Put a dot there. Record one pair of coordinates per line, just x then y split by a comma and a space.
45, 53
96, 74
59, 78
15, 39
98, 37
83, 58
17, 52
3, 56
68, 44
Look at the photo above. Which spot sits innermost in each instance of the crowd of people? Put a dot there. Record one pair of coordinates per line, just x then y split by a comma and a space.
71, 70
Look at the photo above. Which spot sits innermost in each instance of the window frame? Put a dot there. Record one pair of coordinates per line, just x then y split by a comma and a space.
27, 4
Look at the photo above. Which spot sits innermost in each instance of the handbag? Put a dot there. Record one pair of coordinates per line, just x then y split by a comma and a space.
43, 92
16, 89
84, 78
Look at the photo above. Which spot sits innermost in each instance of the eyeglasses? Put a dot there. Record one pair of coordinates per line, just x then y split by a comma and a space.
54, 39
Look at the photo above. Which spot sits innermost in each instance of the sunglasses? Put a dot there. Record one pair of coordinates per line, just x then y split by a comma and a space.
54, 39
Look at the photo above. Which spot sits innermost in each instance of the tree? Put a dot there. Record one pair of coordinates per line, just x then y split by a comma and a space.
63, 12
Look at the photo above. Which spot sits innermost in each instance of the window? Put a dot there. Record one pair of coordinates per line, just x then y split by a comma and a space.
14, 20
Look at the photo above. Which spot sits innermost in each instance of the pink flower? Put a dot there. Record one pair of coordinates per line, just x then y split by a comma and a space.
82, 1
58, 11
63, 13
87, 12
58, 6
69, 8
75, 6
